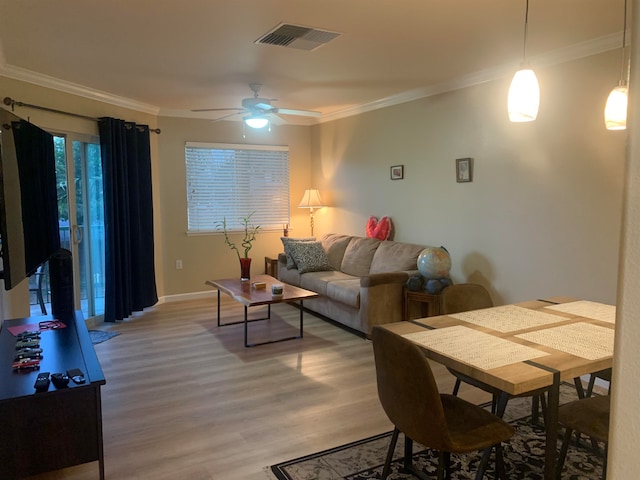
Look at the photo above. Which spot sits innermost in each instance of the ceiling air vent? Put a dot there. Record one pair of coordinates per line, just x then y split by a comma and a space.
297, 36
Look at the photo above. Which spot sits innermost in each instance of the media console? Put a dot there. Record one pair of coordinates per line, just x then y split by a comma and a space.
57, 428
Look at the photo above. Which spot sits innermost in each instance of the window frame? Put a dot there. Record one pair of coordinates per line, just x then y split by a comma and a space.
221, 179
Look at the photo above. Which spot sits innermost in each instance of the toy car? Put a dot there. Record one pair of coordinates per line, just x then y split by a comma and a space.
26, 363
28, 353
27, 344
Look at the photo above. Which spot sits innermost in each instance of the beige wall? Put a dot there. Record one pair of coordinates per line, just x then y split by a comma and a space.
206, 256
542, 215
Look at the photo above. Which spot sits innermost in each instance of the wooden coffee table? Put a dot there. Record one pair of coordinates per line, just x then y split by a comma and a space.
244, 293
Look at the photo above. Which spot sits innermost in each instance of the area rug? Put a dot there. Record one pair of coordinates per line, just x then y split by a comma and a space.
524, 456
99, 336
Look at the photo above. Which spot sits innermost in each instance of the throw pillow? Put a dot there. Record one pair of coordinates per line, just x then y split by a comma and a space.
310, 257
378, 229
286, 241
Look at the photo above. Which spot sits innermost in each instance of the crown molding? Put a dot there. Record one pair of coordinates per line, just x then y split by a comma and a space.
563, 55
35, 78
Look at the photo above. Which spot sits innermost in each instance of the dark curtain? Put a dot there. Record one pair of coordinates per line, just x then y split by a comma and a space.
129, 251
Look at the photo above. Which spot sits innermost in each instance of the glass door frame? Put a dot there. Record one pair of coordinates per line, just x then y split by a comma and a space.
75, 232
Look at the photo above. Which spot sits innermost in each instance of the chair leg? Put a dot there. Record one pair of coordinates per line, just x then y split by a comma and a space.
486, 453
456, 387
441, 468
392, 447
500, 467
503, 398
563, 452
604, 462
579, 388
592, 382
447, 465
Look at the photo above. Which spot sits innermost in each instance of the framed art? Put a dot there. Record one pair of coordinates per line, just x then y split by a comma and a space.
464, 170
397, 172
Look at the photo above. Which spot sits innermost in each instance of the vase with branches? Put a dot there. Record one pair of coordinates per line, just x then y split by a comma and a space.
250, 233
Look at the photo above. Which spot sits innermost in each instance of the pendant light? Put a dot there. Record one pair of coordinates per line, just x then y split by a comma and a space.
524, 93
615, 111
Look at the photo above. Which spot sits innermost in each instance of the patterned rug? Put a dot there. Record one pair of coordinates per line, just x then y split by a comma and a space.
524, 455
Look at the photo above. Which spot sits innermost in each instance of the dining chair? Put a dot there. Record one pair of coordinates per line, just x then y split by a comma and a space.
463, 297
38, 284
409, 396
602, 374
588, 416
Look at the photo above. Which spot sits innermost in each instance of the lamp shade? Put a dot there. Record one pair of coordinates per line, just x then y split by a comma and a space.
524, 96
256, 121
311, 199
615, 112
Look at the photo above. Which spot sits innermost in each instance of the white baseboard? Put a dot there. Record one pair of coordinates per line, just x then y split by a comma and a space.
188, 296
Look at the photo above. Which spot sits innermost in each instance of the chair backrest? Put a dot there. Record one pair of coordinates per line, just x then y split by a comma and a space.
408, 391
463, 297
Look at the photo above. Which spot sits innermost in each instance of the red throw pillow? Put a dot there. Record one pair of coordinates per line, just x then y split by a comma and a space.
378, 229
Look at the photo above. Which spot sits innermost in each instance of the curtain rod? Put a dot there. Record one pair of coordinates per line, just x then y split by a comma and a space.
14, 103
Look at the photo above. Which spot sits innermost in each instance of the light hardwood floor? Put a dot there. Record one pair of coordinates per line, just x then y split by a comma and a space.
185, 400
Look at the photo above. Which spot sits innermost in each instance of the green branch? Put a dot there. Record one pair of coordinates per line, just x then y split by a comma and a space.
250, 232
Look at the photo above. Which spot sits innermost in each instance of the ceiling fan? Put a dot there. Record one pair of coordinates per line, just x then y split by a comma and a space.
258, 112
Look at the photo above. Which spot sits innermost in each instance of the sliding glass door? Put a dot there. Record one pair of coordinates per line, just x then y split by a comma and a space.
80, 203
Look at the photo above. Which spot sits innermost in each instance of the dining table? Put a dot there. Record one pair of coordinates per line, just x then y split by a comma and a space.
522, 347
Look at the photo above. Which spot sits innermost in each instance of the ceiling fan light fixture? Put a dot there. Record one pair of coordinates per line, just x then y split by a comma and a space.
255, 121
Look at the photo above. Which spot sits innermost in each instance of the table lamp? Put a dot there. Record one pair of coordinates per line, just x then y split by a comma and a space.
311, 199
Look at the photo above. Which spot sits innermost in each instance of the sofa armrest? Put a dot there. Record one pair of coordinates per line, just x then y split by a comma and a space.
384, 278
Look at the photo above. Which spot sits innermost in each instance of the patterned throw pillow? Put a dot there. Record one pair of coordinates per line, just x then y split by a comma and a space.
310, 257
286, 242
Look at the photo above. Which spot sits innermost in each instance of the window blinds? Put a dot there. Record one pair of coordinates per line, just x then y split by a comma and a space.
232, 181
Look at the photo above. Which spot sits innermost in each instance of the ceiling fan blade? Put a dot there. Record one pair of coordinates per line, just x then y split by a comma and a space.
216, 109
300, 113
275, 119
224, 117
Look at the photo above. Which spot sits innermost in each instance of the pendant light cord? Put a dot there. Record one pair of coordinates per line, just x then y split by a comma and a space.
624, 42
526, 29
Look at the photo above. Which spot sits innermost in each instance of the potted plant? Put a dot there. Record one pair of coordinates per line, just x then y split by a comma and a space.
250, 232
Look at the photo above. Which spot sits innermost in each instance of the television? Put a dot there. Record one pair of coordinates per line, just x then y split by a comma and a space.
29, 230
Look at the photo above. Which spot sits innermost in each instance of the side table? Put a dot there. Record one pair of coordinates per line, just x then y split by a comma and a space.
271, 266
429, 303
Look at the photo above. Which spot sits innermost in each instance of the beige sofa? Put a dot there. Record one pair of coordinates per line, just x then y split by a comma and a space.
365, 285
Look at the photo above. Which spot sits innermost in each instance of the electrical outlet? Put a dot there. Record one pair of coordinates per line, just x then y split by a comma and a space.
178, 264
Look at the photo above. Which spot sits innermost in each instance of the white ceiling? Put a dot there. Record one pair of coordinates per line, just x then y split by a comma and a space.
169, 57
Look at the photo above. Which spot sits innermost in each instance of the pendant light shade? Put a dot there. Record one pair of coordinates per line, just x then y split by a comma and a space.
615, 112
523, 100
524, 96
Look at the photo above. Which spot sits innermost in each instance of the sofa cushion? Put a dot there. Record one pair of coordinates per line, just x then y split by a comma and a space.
335, 246
358, 256
318, 281
309, 257
345, 291
286, 241
394, 257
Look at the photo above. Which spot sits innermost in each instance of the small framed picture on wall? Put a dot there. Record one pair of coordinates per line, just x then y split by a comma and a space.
397, 172
464, 170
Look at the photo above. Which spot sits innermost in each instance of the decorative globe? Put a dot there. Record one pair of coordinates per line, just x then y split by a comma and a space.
434, 262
